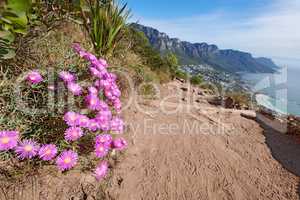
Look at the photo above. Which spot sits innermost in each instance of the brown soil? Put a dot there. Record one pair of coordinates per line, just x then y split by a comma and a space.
199, 152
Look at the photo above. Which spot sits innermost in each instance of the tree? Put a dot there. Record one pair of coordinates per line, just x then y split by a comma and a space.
196, 80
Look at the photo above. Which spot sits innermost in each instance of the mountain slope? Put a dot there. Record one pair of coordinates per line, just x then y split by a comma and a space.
203, 53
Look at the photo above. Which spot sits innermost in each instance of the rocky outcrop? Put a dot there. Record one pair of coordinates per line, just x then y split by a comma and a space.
203, 53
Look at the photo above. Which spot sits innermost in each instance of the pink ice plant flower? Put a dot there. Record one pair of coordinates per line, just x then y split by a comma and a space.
103, 62
71, 118
75, 88
27, 149
73, 133
119, 144
66, 160
104, 115
93, 102
90, 57
105, 126
47, 152
101, 170
8, 140
93, 125
93, 91
67, 77
34, 77
95, 72
105, 139
83, 121
117, 125
101, 150
117, 105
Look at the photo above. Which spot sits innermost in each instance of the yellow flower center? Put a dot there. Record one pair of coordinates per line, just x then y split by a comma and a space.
93, 102
75, 133
67, 160
101, 149
28, 148
73, 117
5, 140
48, 152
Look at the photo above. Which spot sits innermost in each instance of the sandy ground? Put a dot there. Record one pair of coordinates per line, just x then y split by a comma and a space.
198, 152
210, 154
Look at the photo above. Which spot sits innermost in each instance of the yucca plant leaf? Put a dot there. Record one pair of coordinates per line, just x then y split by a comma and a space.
19, 5
7, 36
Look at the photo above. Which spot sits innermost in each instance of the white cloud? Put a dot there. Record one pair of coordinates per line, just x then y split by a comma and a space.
273, 31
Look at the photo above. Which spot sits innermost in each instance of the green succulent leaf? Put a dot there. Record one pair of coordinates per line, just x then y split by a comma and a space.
19, 5
7, 36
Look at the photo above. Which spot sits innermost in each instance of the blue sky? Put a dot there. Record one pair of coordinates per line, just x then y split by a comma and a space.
175, 8
267, 28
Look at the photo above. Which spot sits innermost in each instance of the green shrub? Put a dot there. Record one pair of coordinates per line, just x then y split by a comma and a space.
196, 80
147, 90
13, 21
181, 74
104, 21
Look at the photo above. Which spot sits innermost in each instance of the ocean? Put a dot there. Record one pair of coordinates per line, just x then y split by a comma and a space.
279, 92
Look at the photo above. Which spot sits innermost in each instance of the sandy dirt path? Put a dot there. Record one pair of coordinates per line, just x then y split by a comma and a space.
215, 155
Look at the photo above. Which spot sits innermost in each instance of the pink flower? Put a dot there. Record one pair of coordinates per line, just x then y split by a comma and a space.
67, 77
66, 160
104, 115
105, 139
98, 65
93, 91
117, 105
94, 125
74, 88
117, 125
27, 149
101, 170
104, 84
104, 126
71, 118
90, 57
8, 140
103, 62
93, 102
119, 144
47, 152
101, 150
95, 72
103, 106
83, 121
73, 134
34, 77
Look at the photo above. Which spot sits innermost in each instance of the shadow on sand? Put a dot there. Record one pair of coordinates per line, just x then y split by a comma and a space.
284, 148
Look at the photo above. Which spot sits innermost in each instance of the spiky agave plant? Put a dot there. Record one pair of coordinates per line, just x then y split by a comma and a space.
104, 21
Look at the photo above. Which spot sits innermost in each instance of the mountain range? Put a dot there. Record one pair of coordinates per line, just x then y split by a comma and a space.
205, 54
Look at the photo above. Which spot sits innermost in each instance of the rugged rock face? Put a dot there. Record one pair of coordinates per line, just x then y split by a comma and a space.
203, 53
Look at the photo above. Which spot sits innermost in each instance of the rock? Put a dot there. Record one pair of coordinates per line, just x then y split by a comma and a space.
184, 89
216, 101
180, 80
228, 102
248, 114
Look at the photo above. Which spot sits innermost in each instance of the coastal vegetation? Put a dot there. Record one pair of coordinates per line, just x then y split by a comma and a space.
40, 73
